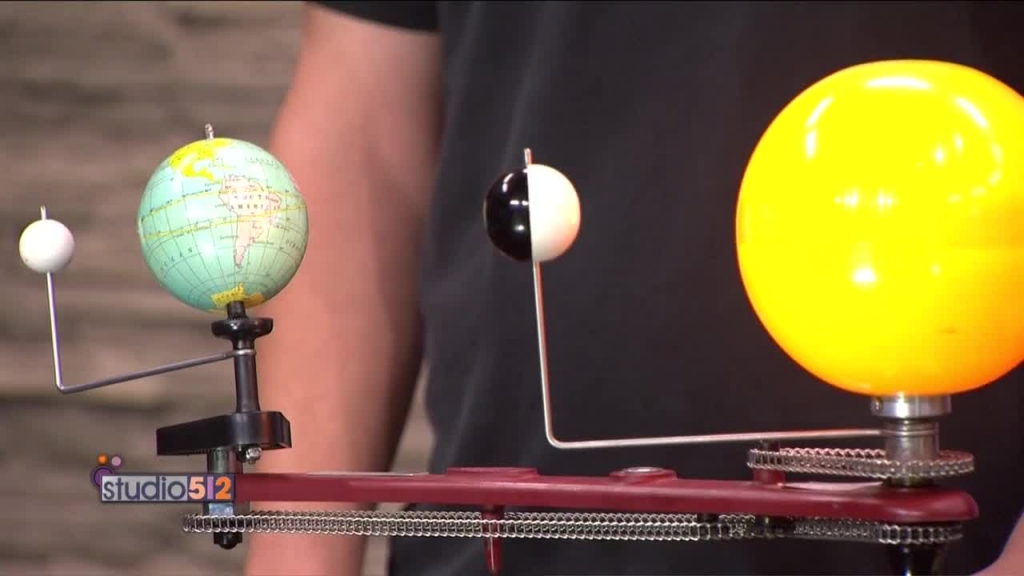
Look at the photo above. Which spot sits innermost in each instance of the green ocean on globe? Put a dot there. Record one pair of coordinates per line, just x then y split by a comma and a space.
221, 220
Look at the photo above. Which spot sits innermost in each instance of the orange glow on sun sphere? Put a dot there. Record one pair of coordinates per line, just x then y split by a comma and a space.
880, 229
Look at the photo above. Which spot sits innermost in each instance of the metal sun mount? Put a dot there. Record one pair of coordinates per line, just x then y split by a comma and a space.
909, 427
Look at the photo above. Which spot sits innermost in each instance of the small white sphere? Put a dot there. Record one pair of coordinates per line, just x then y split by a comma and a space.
46, 246
554, 212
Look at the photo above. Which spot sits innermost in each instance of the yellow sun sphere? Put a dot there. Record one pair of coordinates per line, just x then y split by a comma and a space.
880, 229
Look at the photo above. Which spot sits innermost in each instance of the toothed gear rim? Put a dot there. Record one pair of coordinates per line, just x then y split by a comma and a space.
860, 463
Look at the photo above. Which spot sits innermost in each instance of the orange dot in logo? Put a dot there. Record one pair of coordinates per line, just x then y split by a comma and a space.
102, 459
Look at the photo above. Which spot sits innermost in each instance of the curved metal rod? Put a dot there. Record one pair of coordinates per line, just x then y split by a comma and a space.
549, 429
753, 437
70, 389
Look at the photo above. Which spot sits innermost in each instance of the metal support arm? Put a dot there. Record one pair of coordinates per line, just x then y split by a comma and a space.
58, 372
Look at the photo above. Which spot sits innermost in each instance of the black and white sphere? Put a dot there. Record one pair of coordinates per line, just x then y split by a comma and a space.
532, 214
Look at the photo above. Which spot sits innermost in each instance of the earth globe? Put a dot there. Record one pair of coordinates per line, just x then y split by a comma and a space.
220, 221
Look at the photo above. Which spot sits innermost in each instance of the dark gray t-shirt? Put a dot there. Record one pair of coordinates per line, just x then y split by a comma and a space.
653, 110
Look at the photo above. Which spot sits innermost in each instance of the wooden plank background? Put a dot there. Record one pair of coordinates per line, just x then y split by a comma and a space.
93, 96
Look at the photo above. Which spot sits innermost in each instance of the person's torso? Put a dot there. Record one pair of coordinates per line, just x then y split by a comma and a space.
653, 109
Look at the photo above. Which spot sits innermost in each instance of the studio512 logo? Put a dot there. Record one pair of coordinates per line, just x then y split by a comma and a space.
118, 487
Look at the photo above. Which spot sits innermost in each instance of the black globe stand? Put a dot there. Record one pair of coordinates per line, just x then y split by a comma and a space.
232, 440
248, 429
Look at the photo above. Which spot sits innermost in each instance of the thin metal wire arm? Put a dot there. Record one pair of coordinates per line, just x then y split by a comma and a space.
549, 430
70, 389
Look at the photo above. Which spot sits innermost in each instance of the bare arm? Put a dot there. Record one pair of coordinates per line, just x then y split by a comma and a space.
359, 130
1011, 562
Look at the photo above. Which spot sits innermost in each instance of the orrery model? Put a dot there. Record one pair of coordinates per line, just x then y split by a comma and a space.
877, 240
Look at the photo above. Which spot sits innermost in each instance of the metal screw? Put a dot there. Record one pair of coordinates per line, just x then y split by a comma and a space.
642, 470
252, 454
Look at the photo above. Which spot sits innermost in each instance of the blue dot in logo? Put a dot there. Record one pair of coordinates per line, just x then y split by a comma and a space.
99, 472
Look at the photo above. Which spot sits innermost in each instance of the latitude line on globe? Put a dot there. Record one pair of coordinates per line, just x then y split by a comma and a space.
168, 238
207, 283
278, 251
203, 285
177, 245
154, 211
220, 264
144, 220
225, 203
276, 254
193, 287
273, 260
210, 284
167, 257
160, 251
270, 220
181, 260
283, 209
196, 227
234, 225
167, 217
206, 193
199, 255
250, 280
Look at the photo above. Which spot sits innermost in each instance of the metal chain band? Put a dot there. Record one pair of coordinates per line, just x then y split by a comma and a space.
829, 529
861, 463
552, 525
565, 526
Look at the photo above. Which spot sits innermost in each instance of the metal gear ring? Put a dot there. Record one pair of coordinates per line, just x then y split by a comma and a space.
859, 463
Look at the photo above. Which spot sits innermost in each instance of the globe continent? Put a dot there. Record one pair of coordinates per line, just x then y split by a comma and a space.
221, 220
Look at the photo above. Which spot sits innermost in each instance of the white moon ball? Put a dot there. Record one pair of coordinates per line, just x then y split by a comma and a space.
554, 212
46, 246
